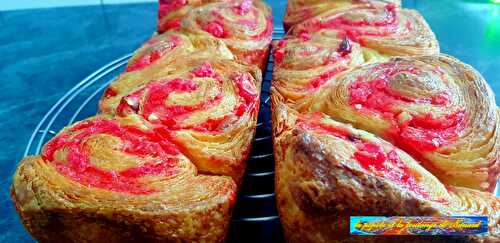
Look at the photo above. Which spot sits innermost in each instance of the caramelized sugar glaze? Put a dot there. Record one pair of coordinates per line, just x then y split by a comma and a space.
370, 119
163, 158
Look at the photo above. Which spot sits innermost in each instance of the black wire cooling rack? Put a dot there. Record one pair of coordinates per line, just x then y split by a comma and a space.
255, 217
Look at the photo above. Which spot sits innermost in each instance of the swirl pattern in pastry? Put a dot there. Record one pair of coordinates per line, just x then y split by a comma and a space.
245, 26
303, 65
316, 51
300, 10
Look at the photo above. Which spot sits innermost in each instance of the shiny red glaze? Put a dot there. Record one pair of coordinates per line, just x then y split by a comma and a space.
419, 133
246, 92
370, 156
428, 134
215, 27
173, 24
256, 57
304, 36
157, 94
135, 142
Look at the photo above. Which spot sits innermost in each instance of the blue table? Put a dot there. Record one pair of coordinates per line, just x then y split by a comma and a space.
45, 52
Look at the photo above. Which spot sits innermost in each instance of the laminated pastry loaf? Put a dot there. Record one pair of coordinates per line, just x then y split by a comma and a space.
370, 119
164, 157
245, 26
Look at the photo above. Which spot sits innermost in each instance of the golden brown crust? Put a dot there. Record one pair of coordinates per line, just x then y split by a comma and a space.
172, 44
246, 32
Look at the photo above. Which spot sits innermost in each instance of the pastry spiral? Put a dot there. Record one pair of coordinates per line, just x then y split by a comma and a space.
119, 174
328, 171
300, 10
208, 105
436, 108
172, 44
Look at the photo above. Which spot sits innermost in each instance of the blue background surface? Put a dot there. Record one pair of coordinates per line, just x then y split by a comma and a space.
45, 52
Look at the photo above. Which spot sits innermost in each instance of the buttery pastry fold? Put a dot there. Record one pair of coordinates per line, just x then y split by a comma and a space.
207, 106
104, 180
245, 26
436, 108
327, 171
300, 10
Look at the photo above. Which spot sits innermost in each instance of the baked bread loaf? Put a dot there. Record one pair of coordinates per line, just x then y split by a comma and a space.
244, 25
209, 106
163, 159
369, 119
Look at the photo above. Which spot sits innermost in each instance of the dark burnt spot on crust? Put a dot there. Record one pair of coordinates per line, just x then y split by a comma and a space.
354, 137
